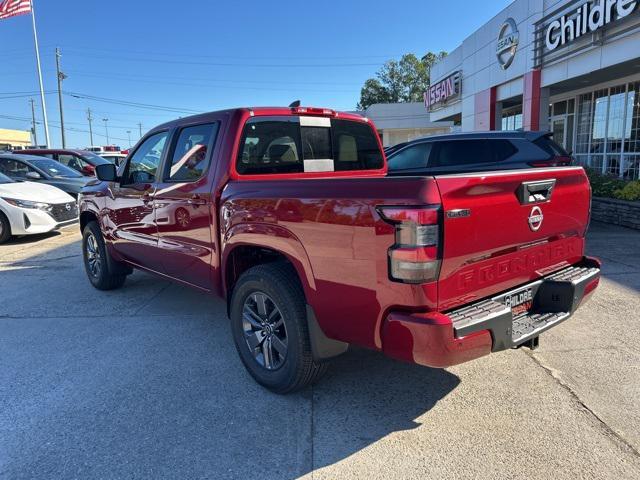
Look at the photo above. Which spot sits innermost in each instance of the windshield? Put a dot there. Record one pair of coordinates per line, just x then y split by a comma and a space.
55, 169
95, 159
5, 179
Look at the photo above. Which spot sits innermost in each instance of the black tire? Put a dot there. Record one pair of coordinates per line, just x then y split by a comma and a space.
280, 284
93, 248
5, 228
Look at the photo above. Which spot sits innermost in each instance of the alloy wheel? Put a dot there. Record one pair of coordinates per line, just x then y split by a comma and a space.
264, 330
94, 261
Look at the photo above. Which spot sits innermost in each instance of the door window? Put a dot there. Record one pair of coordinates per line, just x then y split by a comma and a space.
463, 152
143, 164
14, 169
191, 156
72, 161
413, 157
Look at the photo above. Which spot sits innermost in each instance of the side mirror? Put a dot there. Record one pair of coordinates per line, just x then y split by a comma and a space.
33, 176
106, 172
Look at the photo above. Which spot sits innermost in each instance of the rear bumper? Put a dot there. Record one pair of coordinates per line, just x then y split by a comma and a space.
444, 339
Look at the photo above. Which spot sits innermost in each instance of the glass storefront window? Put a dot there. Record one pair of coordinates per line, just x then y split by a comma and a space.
511, 120
599, 129
607, 129
583, 128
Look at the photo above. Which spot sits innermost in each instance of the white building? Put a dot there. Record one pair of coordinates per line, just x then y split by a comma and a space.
568, 66
401, 122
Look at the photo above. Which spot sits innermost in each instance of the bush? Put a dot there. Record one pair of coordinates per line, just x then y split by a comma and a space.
604, 186
631, 191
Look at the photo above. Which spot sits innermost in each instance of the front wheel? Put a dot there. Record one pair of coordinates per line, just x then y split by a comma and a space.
96, 261
5, 228
270, 331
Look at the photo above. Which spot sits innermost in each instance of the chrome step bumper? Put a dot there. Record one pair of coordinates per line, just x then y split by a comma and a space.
553, 299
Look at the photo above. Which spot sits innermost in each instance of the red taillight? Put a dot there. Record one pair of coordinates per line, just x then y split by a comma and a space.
556, 161
414, 257
313, 111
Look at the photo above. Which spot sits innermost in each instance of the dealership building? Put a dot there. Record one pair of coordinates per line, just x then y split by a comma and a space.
571, 67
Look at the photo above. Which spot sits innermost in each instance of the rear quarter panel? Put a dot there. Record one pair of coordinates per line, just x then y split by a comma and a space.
333, 235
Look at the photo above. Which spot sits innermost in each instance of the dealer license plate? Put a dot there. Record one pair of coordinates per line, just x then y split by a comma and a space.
520, 301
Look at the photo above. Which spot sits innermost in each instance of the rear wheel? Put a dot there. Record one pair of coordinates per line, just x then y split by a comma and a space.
5, 228
96, 261
269, 325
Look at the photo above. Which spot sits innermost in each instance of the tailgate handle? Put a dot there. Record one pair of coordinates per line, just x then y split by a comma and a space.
534, 192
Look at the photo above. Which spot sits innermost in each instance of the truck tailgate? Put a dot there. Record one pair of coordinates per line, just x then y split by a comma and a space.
506, 228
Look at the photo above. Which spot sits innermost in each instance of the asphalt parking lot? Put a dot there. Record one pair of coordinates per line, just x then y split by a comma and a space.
144, 382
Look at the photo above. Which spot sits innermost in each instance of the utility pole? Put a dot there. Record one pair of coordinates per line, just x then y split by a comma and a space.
33, 122
90, 118
61, 76
140, 129
129, 136
106, 129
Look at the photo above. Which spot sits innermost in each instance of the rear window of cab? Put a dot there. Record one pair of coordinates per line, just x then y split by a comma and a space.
300, 144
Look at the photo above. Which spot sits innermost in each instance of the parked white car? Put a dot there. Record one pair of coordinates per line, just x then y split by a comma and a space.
27, 208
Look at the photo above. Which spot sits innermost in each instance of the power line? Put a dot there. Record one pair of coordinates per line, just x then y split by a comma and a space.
222, 64
221, 80
55, 125
130, 103
182, 55
133, 79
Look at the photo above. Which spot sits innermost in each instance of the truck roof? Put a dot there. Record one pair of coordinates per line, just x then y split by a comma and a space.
258, 111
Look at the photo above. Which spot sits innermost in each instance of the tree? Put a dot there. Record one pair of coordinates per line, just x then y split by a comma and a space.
403, 80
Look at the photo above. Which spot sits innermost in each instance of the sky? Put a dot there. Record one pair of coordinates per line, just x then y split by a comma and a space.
150, 61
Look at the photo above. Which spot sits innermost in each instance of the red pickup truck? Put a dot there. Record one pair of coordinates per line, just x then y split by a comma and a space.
288, 214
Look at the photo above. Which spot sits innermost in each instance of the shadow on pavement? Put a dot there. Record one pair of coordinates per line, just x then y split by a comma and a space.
27, 239
145, 382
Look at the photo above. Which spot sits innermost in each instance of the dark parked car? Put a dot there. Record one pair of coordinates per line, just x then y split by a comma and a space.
43, 170
80, 160
474, 152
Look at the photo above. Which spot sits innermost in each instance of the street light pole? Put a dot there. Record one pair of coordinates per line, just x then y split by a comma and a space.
61, 76
106, 129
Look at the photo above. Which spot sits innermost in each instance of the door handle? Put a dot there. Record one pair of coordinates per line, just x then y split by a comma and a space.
534, 192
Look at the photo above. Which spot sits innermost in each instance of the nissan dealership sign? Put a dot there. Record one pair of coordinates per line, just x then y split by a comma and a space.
587, 18
440, 92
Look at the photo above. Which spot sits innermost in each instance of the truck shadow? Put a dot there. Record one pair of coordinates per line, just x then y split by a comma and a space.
148, 376
367, 397
28, 239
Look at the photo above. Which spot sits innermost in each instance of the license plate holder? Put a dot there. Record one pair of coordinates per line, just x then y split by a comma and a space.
520, 301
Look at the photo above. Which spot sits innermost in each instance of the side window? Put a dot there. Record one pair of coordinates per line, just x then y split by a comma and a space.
503, 150
463, 152
71, 161
143, 165
190, 156
14, 169
416, 156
